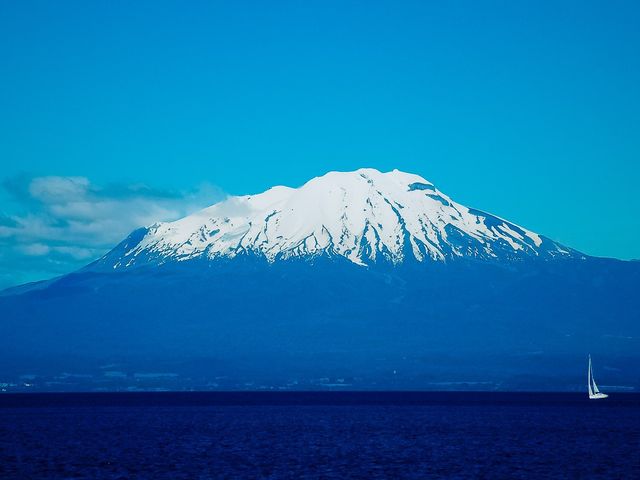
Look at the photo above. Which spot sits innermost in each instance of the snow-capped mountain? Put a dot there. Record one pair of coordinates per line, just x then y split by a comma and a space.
221, 308
364, 216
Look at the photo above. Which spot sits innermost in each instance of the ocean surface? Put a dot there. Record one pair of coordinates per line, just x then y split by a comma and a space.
318, 435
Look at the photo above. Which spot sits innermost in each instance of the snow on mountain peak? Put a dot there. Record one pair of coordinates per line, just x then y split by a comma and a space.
365, 216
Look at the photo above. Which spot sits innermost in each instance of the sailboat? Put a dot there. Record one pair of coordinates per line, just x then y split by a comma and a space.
594, 393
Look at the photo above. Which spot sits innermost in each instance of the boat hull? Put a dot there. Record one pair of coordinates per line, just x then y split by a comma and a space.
597, 396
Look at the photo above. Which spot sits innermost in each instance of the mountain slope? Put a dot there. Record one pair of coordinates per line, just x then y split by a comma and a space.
365, 216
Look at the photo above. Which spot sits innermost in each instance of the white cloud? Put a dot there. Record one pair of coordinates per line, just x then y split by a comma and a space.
78, 253
58, 189
62, 223
35, 249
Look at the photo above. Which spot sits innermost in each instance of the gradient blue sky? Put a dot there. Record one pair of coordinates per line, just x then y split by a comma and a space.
529, 110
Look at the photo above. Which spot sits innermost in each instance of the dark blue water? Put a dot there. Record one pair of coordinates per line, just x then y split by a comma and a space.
319, 435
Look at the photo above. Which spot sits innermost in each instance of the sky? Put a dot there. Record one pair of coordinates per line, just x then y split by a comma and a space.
119, 114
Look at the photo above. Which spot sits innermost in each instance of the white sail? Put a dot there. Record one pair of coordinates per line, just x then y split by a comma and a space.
593, 381
589, 379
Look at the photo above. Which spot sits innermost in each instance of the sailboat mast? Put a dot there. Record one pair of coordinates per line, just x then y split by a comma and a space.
589, 377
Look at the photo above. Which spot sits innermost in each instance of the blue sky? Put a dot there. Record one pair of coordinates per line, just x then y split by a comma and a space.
123, 112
